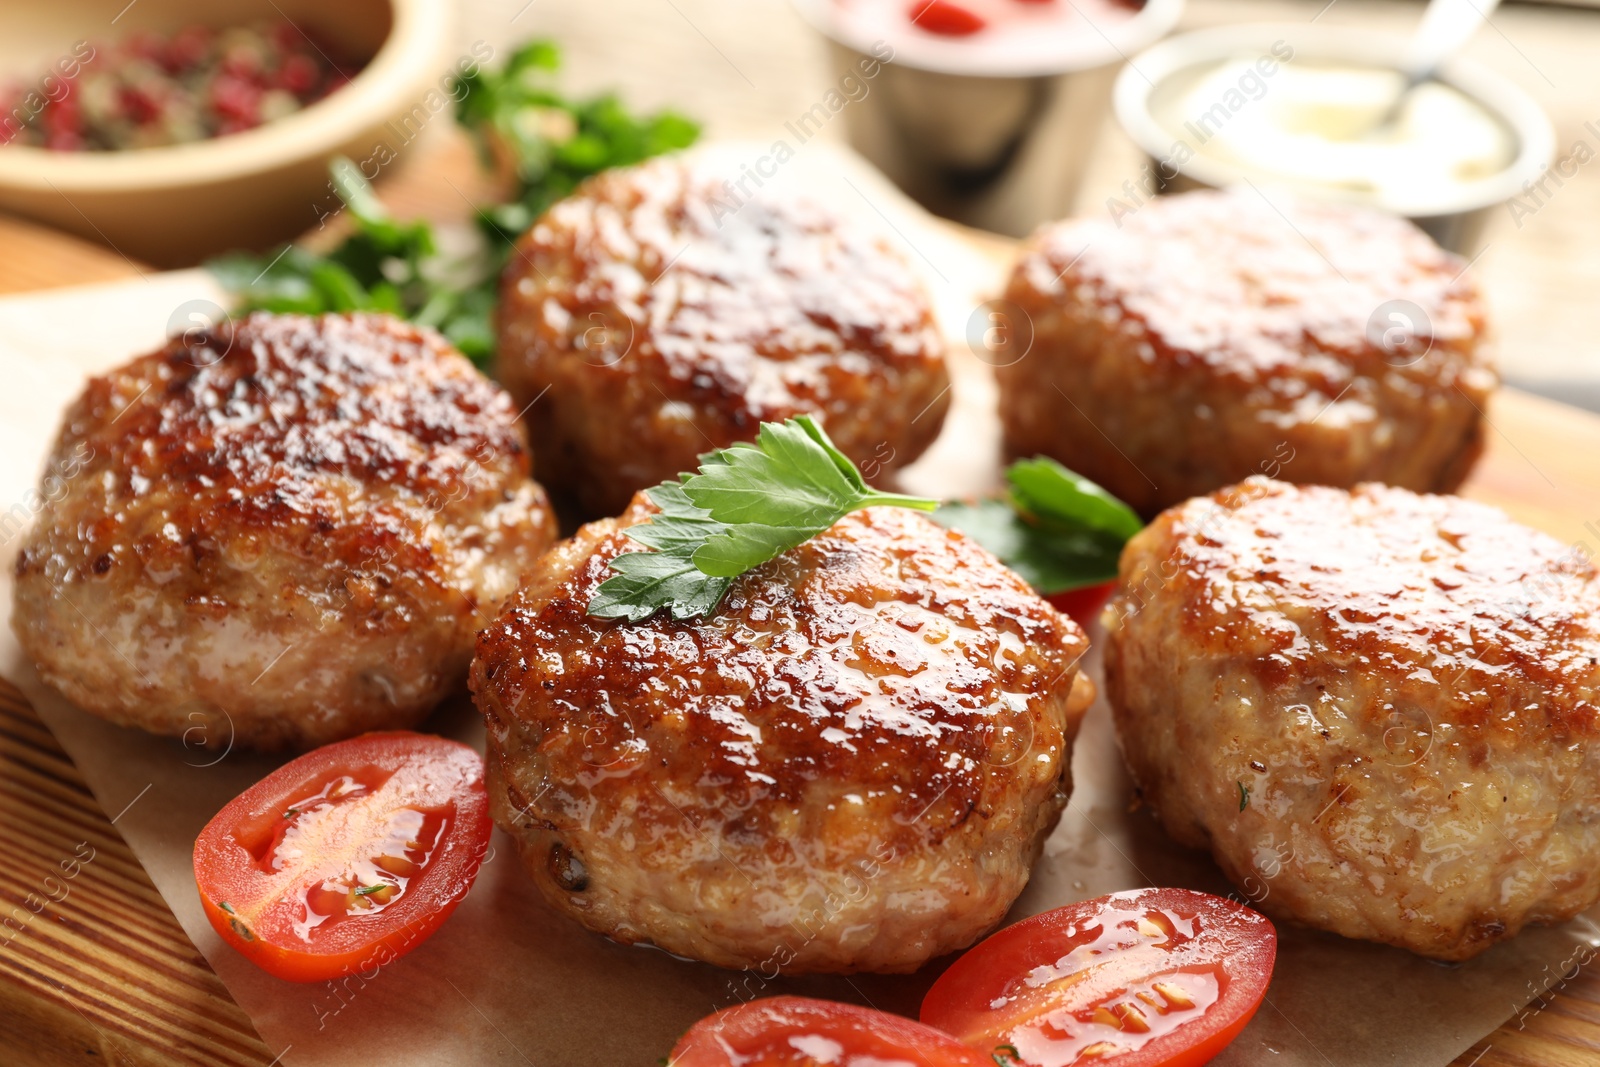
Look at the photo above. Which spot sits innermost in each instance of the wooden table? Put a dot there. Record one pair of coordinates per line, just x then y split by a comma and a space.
104, 974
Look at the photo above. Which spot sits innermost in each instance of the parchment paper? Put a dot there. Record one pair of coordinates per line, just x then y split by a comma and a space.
505, 980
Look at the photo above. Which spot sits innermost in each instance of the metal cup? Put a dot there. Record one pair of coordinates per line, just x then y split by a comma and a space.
994, 145
1455, 218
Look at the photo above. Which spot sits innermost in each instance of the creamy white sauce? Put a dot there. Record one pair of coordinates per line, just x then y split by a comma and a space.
1319, 125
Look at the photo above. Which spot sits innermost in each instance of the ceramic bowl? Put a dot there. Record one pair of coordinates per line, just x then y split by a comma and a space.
173, 206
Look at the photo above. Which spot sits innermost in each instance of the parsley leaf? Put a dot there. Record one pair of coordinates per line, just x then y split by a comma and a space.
781, 491
1055, 528
1052, 493
553, 143
745, 505
1049, 560
644, 582
681, 526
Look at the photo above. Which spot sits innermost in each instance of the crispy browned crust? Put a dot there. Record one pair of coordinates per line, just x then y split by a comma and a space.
1407, 686
851, 766
1207, 338
647, 322
347, 491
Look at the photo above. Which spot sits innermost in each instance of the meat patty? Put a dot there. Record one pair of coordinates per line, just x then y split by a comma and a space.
1378, 710
281, 532
645, 320
851, 766
1208, 338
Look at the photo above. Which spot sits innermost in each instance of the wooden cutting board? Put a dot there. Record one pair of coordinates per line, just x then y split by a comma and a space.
94, 968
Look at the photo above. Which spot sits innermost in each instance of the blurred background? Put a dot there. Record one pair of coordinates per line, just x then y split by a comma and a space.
745, 68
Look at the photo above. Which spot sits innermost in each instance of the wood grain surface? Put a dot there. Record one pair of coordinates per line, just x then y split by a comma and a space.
93, 967
36, 257
95, 970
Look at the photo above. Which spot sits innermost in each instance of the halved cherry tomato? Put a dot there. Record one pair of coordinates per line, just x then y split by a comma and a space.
801, 1032
945, 18
348, 857
1148, 978
1082, 604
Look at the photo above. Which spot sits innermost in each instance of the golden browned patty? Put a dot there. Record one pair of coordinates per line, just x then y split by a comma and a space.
1208, 338
646, 322
280, 532
851, 766
1379, 710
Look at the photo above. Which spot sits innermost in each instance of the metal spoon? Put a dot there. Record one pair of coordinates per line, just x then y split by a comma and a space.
1446, 26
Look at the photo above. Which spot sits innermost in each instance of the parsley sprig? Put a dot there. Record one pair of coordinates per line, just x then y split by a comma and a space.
552, 141
745, 505
383, 264
518, 116
751, 502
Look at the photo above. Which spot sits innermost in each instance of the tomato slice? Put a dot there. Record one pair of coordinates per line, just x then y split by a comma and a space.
1148, 978
1082, 604
801, 1032
945, 18
347, 857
